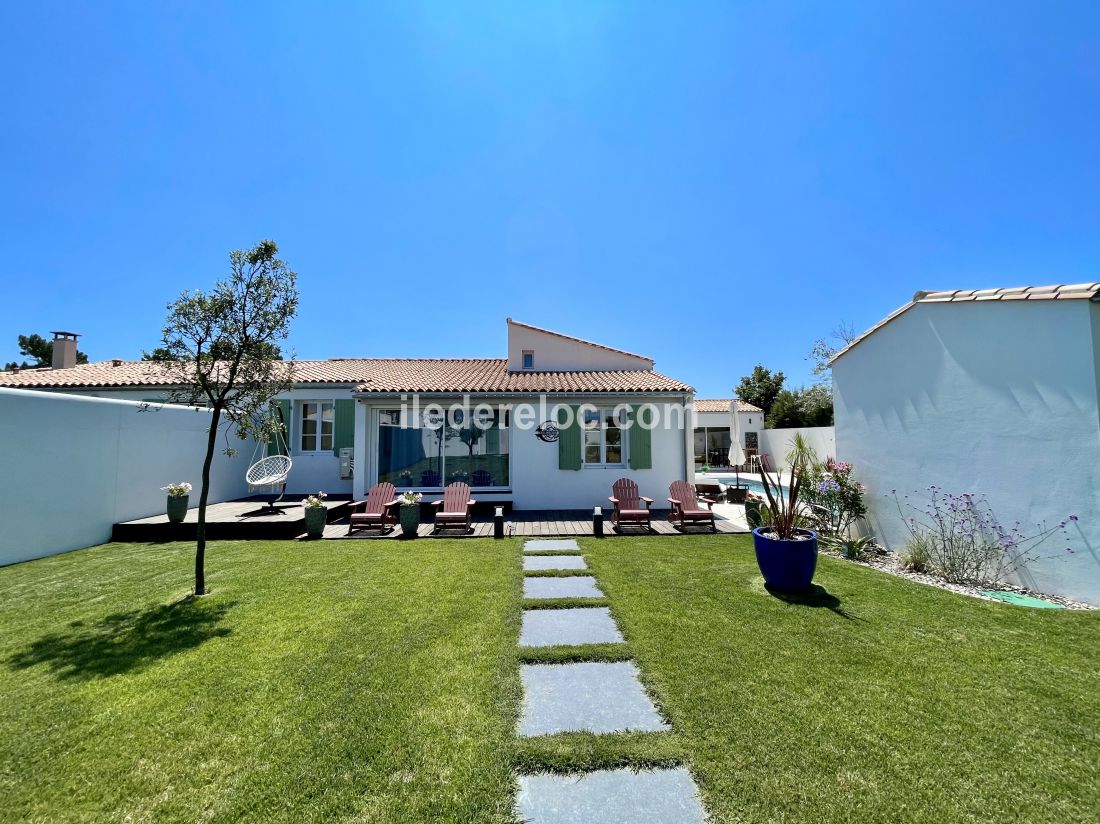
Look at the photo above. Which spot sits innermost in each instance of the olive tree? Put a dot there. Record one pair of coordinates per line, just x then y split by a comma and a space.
220, 350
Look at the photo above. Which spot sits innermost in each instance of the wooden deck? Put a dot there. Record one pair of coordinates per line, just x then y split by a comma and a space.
556, 523
247, 519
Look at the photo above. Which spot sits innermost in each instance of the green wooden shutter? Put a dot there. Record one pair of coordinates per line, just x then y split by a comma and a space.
281, 446
343, 426
569, 441
641, 441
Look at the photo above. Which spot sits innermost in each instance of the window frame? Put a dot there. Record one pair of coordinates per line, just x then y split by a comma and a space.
527, 359
320, 403
604, 412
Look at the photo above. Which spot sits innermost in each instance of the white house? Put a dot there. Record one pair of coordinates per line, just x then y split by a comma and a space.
713, 424
551, 426
991, 392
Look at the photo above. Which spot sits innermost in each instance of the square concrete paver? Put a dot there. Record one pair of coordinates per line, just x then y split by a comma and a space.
532, 562
551, 627
587, 697
610, 797
577, 586
542, 545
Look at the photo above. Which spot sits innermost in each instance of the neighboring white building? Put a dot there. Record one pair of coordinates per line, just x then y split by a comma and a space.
712, 426
992, 392
376, 413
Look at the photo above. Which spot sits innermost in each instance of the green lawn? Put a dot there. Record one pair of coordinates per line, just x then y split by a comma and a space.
378, 681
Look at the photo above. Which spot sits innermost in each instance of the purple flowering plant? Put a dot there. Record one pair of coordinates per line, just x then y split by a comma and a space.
959, 537
834, 499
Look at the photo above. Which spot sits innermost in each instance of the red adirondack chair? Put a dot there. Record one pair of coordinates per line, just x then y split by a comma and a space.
628, 504
685, 506
376, 511
456, 508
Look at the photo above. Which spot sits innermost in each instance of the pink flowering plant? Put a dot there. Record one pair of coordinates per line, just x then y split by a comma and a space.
960, 539
833, 498
314, 501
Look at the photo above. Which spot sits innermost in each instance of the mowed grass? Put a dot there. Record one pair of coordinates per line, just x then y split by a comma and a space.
378, 681
324, 681
873, 700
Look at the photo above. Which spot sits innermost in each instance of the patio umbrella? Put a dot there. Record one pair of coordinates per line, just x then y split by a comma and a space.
737, 452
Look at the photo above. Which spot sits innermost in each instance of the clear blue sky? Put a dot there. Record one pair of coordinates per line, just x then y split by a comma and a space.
710, 185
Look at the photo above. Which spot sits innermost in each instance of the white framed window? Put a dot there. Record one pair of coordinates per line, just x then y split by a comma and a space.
315, 426
528, 358
602, 433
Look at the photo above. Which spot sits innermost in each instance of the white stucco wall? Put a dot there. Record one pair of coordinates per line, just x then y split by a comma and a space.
535, 480
777, 442
311, 471
74, 466
994, 398
537, 483
554, 353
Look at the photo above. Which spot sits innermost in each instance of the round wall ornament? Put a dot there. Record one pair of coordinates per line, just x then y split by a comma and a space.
547, 432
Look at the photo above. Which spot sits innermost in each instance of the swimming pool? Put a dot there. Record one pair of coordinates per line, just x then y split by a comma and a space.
753, 484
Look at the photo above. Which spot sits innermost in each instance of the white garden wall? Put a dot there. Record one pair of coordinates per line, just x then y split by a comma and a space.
994, 398
777, 442
75, 465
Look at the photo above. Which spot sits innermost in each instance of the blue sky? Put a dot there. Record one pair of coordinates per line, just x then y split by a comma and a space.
713, 185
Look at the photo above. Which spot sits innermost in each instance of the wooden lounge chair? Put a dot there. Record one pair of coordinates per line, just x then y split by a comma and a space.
376, 512
686, 509
455, 509
628, 505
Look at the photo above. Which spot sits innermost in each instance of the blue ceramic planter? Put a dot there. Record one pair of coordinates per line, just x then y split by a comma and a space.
787, 566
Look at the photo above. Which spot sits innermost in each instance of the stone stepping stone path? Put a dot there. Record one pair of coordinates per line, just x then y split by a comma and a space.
552, 545
611, 797
585, 697
575, 586
540, 562
568, 627
595, 697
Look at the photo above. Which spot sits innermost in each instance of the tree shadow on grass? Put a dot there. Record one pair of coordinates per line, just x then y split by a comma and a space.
125, 641
815, 596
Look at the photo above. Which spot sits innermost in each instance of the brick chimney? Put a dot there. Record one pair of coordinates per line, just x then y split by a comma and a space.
64, 350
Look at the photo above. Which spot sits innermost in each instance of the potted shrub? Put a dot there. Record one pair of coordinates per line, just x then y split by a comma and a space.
786, 553
316, 514
753, 516
177, 501
409, 513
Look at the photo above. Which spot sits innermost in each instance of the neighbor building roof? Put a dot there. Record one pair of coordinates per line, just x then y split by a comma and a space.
369, 375
723, 405
1070, 291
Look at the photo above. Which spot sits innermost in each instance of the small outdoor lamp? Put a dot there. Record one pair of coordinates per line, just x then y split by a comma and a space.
498, 522
597, 522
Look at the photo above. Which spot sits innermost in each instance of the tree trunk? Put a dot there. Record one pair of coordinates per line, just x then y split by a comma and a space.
204, 494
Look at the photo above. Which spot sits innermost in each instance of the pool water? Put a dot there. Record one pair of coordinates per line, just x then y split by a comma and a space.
753, 484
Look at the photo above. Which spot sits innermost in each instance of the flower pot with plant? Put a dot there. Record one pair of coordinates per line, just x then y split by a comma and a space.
177, 501
316, 514
409, 513
786, 553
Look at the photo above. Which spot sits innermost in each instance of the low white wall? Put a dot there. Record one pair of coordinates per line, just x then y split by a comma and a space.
777, 442
75, 465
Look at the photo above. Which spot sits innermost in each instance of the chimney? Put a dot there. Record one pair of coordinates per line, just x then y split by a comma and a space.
64, 350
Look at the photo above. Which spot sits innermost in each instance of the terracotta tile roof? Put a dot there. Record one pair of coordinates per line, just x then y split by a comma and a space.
1067, 291
723, 405
579, 340
370, 375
